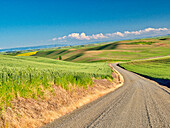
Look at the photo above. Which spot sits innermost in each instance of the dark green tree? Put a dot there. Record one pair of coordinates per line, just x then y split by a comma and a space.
60, 57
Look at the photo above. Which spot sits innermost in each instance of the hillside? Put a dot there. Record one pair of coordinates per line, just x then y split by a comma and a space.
156, 68
34, 84
116, 51
27, 82
24, 76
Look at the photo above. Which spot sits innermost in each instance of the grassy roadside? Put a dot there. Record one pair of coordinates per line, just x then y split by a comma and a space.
155, 68
30, 77
42, 89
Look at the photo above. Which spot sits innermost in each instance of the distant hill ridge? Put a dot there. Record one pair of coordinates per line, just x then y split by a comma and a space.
56, 45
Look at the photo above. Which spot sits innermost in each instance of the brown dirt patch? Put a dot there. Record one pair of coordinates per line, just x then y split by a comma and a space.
145, 40
96, 51
71, 49
162, 44
123, 50
124, 46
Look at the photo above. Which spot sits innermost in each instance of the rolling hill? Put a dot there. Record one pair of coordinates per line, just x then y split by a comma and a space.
113, 51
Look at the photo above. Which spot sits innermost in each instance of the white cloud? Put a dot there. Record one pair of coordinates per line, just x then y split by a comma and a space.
133, 32
119, 34
64, 37
74, 35
147, 30
98, 36
54, 39
153, 29
115, 35
78, 36
163, 29
84, 37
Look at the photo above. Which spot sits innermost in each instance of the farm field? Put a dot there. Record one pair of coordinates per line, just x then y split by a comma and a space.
35, 78
113, 51
78, 64
27, 54
155, 68
30, 76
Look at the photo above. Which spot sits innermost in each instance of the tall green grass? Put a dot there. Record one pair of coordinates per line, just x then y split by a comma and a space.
28, 77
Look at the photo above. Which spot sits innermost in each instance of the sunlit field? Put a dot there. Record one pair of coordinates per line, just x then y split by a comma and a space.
27, 54
29, 77
127, 50
156, 68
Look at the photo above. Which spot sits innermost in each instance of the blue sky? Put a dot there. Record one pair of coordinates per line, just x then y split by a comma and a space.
39, 22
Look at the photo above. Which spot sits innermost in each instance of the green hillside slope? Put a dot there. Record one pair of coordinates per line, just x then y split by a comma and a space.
29, 77
155, 68
115, 51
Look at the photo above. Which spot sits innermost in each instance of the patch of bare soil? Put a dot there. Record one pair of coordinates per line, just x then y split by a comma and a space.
162, 44
71, 49
145, 40
95, 51
115, 50
124, 46
123, 50
31, 113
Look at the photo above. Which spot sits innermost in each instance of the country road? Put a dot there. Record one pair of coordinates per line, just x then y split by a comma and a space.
139, 103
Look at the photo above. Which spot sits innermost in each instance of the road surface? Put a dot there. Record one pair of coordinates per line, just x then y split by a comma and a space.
139, 103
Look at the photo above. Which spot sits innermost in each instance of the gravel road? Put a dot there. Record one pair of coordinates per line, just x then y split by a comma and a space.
139, 103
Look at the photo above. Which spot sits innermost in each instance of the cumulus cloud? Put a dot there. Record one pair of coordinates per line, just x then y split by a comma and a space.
74, 35
119, 34
60, 38
81, 36
54, 39
78, 36
84, 37
98, 36
133, 32
147, 30
116, 35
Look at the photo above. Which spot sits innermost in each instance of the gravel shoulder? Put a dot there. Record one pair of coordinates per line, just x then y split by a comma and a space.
138, 103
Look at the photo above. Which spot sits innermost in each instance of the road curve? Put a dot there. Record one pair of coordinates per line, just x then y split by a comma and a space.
139, 103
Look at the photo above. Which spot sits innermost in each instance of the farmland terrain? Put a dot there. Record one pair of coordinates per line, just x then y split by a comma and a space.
46, 84
157, 69
113, 51
40, 89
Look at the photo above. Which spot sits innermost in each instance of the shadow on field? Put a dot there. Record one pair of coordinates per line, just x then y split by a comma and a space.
49, 52
164, 39
160, 81
60, 52
74, 57
105, 47
164, 82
